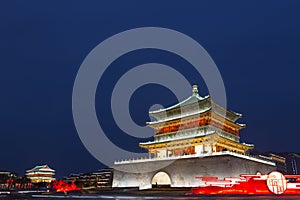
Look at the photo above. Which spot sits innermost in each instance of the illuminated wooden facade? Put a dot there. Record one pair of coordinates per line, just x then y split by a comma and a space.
42, 173
196, 125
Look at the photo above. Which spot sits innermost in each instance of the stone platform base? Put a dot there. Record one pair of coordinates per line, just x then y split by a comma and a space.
182, 171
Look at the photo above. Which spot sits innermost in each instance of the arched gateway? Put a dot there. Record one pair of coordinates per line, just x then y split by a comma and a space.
161, 179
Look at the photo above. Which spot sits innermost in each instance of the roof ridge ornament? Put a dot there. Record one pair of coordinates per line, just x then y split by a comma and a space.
195, 90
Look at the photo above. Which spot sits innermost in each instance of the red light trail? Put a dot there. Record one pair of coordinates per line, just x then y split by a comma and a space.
273, 183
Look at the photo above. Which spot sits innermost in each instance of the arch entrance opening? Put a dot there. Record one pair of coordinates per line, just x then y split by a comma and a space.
161, 179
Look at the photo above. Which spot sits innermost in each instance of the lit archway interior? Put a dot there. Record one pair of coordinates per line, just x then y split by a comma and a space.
161, 178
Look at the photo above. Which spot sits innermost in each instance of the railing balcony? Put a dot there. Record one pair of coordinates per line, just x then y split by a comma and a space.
145, 159
198, 131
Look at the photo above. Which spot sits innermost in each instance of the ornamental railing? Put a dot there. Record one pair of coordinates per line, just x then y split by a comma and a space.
198, 131
147, 159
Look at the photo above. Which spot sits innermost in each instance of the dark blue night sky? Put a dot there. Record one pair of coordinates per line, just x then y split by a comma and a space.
255, 44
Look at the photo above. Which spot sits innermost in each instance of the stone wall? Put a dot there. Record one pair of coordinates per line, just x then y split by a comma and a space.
182, 171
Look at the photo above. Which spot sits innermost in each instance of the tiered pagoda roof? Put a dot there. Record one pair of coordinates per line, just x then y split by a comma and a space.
196, 120
198, 105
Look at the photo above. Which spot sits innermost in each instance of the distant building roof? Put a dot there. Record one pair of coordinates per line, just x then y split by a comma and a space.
45, 168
